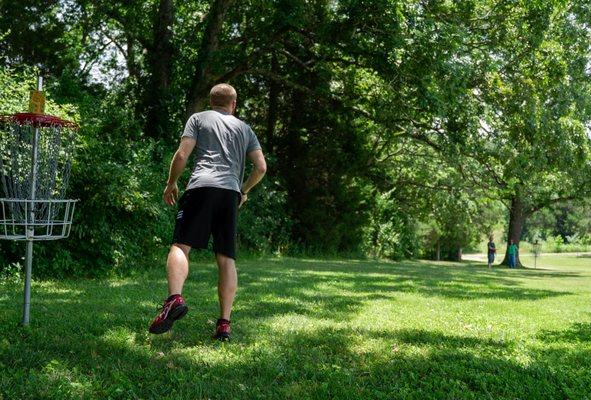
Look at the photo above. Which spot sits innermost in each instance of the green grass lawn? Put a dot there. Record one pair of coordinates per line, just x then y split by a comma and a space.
311, 329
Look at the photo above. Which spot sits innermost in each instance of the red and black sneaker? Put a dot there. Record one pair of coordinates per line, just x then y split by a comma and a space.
222, 330
174, 308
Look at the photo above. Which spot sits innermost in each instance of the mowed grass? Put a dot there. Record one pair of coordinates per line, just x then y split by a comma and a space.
310, 329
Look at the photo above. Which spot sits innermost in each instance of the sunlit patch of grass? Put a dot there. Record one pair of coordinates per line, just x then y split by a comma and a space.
120, 337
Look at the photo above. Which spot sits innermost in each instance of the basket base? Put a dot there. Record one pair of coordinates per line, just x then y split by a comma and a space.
36, 220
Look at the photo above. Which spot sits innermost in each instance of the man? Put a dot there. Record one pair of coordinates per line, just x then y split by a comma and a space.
512, 252
491, 251
210, 203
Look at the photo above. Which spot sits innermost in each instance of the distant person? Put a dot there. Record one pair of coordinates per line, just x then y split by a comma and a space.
492, 249
209, 206
512, 252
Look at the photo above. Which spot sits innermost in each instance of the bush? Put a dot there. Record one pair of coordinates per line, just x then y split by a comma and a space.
389, 233
14, 97
264, 223
554, 244
118, 175
121, 221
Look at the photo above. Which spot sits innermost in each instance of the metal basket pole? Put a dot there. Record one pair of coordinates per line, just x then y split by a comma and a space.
31, 227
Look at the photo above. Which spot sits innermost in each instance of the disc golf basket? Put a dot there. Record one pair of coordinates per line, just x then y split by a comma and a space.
35, 159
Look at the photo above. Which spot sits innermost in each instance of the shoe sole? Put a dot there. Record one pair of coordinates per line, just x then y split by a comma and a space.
222, 337
173, 316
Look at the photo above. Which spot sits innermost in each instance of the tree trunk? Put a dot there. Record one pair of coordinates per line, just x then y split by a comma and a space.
202, 79
291, 153
272, 113
516, 221
130, 62
438, 251
160, 60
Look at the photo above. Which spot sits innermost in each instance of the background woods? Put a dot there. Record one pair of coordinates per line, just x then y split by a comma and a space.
393, 128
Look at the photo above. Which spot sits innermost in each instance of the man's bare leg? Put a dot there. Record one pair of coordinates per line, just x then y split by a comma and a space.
177, 267
174, 307
227, 283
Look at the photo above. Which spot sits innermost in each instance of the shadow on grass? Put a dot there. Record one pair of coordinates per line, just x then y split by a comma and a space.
89, 339
325, 363
577, 333
331, 291
337, 363
317, 289
366, 280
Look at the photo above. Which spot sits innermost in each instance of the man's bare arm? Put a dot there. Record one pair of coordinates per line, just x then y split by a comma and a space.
177, 165
258, 172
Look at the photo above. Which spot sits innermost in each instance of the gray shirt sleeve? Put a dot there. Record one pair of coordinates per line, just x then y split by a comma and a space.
253, 142
191, 127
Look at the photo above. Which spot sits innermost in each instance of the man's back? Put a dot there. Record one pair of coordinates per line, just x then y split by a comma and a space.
209, 208
223, 141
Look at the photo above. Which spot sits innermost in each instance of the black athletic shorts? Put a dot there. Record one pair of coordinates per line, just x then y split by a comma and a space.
208, 211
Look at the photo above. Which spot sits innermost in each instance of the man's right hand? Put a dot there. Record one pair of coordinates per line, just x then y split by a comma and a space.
243, 199
259, 170
171, 193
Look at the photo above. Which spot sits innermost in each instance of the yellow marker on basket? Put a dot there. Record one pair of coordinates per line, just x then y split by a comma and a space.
37, 102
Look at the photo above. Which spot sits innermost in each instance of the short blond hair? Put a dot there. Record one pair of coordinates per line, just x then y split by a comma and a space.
222, 95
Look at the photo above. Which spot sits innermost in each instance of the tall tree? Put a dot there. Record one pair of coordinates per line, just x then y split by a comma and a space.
160, 59
203, 77
533, 137
506, 99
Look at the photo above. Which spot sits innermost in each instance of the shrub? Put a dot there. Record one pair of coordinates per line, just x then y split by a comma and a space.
264, 223
389, 233
118, 175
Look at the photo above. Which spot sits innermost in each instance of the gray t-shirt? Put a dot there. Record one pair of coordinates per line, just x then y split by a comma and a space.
222, 144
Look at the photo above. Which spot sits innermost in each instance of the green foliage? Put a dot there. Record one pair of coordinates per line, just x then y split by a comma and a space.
120, 220
393, 128
555, 244
571, 221
15, 86
390, 233
264, 225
